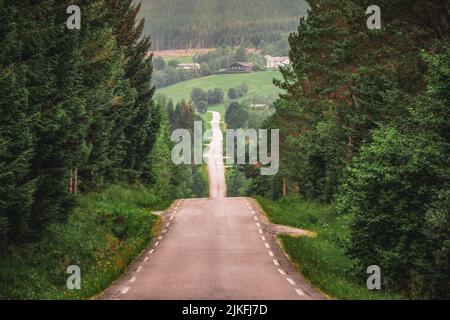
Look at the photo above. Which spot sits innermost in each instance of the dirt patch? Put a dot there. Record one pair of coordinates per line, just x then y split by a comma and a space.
180, 53
290, 231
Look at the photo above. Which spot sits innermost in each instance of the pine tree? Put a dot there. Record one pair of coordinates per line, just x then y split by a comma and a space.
55, 87
142, 130
106, 94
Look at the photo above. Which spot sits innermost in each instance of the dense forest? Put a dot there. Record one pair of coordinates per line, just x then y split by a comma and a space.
364, 124
77, 114
180, 24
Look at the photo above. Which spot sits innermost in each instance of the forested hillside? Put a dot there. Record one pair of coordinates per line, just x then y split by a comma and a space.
180, 24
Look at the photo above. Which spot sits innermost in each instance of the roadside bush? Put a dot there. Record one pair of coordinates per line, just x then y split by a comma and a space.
391, 186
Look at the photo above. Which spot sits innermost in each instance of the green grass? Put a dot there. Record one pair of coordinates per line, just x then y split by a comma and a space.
103, 235
207, 117
260, 84
321, 259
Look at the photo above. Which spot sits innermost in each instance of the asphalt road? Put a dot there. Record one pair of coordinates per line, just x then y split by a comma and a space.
215, 248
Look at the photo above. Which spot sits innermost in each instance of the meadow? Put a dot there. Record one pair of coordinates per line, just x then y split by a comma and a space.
260, 85
321, 259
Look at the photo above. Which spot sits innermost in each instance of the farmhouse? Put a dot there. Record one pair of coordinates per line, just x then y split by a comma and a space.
276, 62
240, 67
188, 66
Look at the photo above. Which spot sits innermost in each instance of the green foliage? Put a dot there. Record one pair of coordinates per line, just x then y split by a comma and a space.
159, 63
236, 182
232, 93
103, 235
198, 95
236, 116
397, 189
321, 259
215, 96
16, 139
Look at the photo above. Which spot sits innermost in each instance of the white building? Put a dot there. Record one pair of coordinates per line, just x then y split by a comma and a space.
276, 62
188, 66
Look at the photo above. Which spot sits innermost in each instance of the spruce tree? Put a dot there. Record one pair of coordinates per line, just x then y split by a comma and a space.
16, 138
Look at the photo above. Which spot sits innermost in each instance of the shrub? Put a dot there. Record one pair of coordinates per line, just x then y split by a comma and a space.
388, 191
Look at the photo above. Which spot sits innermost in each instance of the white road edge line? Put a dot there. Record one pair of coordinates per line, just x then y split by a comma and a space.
160, 238
292, 282
133, 279
151, 251
267, 245
275, 262
299, 292
146, 258
271, 253
124, 290
156, 244
139, 269
263, 238
258, 225
260, 231
282, 272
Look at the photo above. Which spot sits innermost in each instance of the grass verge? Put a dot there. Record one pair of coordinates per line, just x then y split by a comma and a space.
322, 259
103, 235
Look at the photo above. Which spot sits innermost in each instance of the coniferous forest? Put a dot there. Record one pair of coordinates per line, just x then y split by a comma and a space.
181, 24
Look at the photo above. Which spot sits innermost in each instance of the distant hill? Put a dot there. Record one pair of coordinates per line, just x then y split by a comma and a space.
180, 24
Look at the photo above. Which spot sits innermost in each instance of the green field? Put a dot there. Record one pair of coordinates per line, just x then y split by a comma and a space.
260, 84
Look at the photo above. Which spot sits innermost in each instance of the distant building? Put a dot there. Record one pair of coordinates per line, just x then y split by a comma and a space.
240, 67
188, 66
259, 105
276, 62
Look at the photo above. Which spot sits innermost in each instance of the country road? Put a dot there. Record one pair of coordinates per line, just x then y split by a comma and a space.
213, 248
